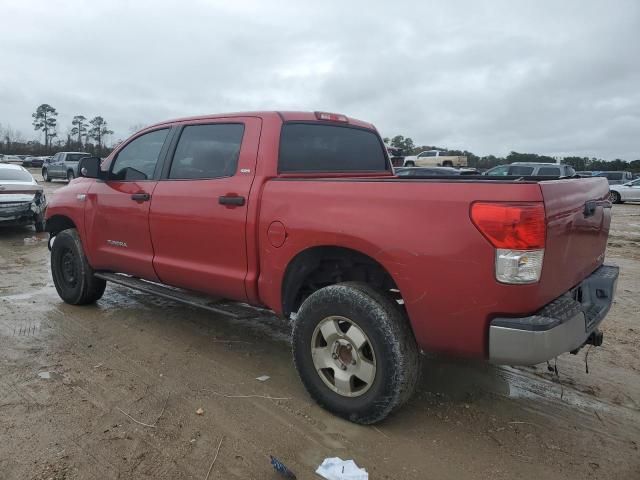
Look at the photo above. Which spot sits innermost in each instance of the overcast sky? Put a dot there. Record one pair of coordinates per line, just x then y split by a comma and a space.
556, 78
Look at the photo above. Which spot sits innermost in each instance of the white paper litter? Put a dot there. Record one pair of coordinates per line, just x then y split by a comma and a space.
44, 375
337, 469
263, 378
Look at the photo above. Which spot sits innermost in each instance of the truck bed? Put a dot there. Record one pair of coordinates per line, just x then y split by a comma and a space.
420, 231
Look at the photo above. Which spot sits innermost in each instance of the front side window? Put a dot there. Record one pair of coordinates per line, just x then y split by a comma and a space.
207, 151
499, 171
138, 159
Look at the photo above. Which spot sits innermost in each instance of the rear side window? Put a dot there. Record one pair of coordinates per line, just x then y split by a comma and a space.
75, 157
517, 170
549, 172
306, 147
207, 151
138, 159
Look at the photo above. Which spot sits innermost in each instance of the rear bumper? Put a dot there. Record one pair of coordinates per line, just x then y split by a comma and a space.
562, 326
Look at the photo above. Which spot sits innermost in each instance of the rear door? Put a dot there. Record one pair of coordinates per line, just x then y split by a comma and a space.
199, 207
117, 212
54, 167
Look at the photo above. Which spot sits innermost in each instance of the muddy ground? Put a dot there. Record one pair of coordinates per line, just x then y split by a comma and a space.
73, 379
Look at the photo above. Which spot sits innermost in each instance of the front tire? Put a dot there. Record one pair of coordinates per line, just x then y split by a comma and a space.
45, 175
39, 223
72, 274
615, 197
355, 352
70, 175
410, 164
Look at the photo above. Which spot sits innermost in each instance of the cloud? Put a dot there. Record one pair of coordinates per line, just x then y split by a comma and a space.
545, 77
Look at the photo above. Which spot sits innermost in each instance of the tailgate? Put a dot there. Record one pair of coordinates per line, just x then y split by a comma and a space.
578, 217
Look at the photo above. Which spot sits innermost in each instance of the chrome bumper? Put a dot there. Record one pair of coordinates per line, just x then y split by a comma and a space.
562, 326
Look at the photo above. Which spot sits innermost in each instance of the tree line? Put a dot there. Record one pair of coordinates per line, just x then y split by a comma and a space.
408, 147
85, 134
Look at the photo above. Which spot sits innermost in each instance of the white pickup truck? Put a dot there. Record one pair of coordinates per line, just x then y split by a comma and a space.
435, 158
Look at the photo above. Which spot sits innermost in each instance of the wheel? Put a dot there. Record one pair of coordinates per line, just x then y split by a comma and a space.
39, 223
355, 352
72, 274
447, 164
70, 175
45, 175
410, 164
615, 196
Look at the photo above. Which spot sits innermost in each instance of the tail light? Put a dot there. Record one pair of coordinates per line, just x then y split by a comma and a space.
517, 231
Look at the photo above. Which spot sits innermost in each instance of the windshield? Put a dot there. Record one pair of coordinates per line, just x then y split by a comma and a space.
315, 147
12, 175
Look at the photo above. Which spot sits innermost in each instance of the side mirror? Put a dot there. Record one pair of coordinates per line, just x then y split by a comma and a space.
89, 167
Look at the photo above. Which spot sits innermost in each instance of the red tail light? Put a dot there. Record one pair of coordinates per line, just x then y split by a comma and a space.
517, 226
331, 117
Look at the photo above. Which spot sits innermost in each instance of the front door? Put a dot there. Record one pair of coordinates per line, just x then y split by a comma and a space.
633, 191
199, 208
117, 212
54, 169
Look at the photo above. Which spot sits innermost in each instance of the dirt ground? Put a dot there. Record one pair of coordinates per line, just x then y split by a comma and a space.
78, 383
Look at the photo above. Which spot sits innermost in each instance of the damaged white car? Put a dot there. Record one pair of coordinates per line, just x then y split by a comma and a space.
22, 200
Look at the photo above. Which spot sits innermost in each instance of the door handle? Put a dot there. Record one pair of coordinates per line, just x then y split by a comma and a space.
141, 197
231, 200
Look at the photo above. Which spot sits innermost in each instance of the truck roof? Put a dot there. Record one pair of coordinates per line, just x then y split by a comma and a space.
285, 116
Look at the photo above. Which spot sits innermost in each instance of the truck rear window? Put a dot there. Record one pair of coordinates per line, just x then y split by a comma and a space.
313, 147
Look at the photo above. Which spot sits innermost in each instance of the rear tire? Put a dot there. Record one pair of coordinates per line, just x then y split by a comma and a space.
355, 352
45, 175
72, 274
615, 197
447, 164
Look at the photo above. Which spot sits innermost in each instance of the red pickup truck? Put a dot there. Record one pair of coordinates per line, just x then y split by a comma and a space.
301, 213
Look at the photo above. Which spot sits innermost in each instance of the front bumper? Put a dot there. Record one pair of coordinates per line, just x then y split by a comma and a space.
562, 326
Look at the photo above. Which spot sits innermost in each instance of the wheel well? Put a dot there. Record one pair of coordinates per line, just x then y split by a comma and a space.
447, 163
319, 267
58, 223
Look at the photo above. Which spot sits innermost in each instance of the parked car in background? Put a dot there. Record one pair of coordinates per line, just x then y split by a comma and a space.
435, 158
432, 171
532, 170
616, 177
11, 159
63, 165
586, 173
33, 162
22, 200
629, 191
